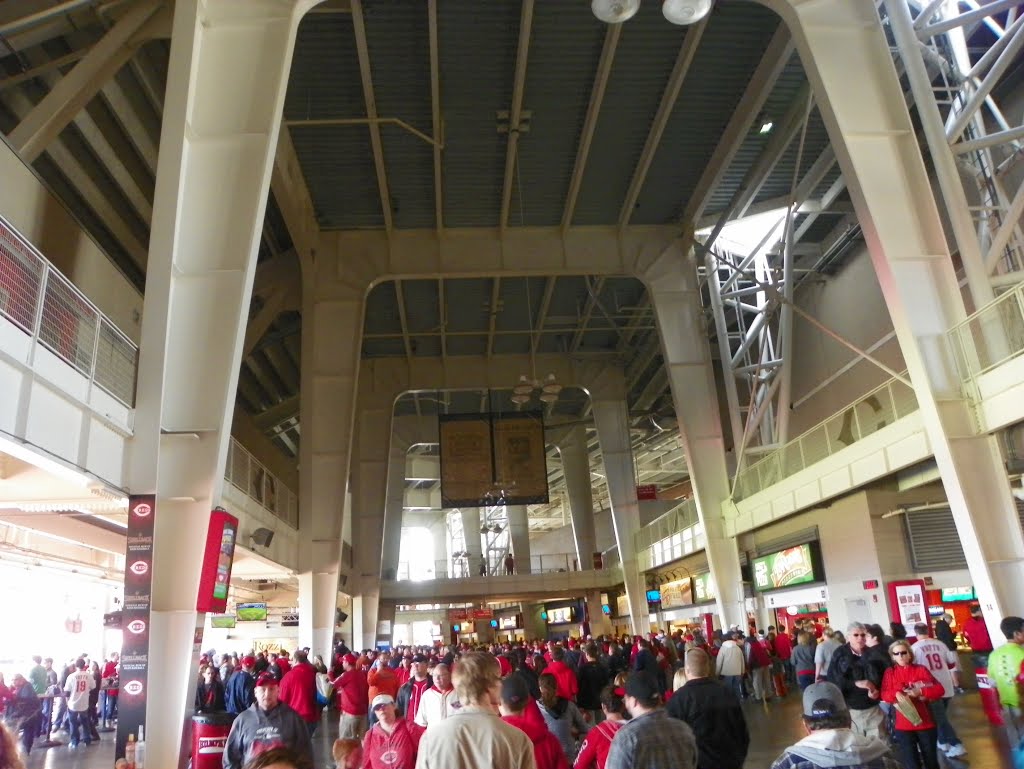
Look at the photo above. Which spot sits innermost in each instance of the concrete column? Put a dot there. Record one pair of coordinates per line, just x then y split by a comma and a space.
439, 541
372, 441
226, 80
600, 624
533, 625
608, 398
576, 468
672, 282
393, 508
386, 621
519, 533
471, 530
845, 51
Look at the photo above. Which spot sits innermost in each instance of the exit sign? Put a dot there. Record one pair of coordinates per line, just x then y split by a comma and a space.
870, 584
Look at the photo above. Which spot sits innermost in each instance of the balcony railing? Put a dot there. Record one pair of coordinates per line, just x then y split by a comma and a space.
991, 336
253, 479
670, 536
42, 303
866, 415
460, 569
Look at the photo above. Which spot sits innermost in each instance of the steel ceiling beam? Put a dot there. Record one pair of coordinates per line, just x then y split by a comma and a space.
400, 298
435, 110
276, 415
542, 314
588, 311
366, 74
42, 69
48, 118
516, 112
780, 50
687, 52
442, 312
604, 68
493, 319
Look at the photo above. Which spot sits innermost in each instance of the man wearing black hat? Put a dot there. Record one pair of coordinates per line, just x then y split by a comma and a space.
830, 742
411, 692
268, 724
651, 740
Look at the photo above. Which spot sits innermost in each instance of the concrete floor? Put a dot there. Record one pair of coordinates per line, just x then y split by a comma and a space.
772, 730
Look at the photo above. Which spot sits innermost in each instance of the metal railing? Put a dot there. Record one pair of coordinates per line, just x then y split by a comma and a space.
36, 298
252, 478
459, 569
990, 336
866, 415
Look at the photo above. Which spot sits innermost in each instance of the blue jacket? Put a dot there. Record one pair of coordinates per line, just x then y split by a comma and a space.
239, 692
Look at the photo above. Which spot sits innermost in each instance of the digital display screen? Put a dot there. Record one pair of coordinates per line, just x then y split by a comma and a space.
560, 616
792, 566
223, 621
494, 623
653, 596
958, 594
606, 609
508, 623
251, 612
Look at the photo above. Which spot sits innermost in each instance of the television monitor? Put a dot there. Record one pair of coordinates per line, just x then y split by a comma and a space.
653, 596
494, 623
958, 593
251, 612
936, 611
606, 609
223, 621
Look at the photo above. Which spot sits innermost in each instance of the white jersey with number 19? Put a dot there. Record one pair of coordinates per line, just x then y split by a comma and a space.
939, 660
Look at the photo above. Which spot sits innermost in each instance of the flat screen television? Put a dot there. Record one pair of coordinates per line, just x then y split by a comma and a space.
251, 612
653, 596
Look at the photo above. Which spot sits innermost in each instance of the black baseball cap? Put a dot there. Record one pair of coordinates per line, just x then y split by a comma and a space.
419, 658
514, 692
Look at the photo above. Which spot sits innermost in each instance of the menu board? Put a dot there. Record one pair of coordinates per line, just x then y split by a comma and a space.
793, 566
678, 593
958, 594
621, 606
704, 588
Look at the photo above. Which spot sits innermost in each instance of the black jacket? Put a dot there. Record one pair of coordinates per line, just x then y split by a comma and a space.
592, 679
715, 715
846, 668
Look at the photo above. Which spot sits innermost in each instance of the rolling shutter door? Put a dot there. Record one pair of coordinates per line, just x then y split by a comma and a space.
933, 539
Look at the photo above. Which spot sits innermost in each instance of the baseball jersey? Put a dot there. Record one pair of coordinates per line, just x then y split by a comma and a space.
78, 686
939, 660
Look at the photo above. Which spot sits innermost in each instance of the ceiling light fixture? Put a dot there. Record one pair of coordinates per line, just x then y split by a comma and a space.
615, 11
766, 127
685, 11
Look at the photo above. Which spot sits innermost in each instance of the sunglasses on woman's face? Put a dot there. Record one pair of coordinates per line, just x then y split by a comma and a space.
900, 654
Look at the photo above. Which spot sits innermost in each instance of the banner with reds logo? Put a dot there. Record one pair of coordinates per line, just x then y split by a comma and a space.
138, 580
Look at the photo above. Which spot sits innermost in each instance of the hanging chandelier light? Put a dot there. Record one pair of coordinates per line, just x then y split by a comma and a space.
615, 11
685, 11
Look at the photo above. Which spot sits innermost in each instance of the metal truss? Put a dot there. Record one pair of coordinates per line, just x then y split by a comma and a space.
955, 85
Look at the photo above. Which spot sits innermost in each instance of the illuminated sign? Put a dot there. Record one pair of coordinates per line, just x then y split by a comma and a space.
704, 588
560, 616
793, 566
678, 593
958, 594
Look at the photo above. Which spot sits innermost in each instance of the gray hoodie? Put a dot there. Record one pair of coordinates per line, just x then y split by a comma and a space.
837, 748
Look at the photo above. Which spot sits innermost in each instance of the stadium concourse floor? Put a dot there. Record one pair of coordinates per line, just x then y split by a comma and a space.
772, 729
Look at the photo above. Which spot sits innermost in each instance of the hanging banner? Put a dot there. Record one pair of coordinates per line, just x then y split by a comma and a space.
467, 462
138, 580
520, 462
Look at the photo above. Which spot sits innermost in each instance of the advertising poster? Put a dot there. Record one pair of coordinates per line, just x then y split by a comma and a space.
793, 566
678, 593
621, 606
138, 580
908, 604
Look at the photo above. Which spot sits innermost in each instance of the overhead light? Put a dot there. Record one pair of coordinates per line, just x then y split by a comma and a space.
520, 399
525, 387
766, 127
551, 385
615, 11
547, 397
685, 11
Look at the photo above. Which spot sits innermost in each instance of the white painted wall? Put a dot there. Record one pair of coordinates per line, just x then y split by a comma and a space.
43, 221
561, 540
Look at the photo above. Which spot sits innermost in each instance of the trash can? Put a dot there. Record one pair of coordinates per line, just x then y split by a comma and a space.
209, 739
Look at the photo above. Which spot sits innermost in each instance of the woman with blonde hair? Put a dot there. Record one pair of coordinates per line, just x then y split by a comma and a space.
9, 758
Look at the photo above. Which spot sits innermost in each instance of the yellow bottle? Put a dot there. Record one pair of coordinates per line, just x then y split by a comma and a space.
129, 751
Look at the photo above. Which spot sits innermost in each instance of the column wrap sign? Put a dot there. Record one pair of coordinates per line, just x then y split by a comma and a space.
138, 579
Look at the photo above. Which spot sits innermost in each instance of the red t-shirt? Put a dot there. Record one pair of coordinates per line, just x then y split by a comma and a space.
976, 632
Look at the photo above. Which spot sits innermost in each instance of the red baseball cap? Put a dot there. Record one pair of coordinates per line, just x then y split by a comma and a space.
350, 659
267, 679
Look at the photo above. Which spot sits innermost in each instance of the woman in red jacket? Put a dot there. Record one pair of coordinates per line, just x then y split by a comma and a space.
594, 751
912, 686
392, 742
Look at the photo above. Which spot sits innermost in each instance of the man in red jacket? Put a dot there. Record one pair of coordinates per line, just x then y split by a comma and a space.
393, 742
353, 698
547, 750
298, 689
566, 685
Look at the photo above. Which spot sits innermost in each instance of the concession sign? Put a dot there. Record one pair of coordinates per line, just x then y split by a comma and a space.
792, 566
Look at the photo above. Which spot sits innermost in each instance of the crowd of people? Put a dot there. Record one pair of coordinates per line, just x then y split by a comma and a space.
870, 700
77, 699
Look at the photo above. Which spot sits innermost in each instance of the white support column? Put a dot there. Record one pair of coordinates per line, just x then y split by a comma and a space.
519, 533
226, 81
844, 50
369, 494
611, 416
576, 469
393, 507
439, 543
675, 295
471, 531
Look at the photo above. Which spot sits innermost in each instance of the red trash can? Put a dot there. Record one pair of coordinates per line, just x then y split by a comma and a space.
989, 697
209, 739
